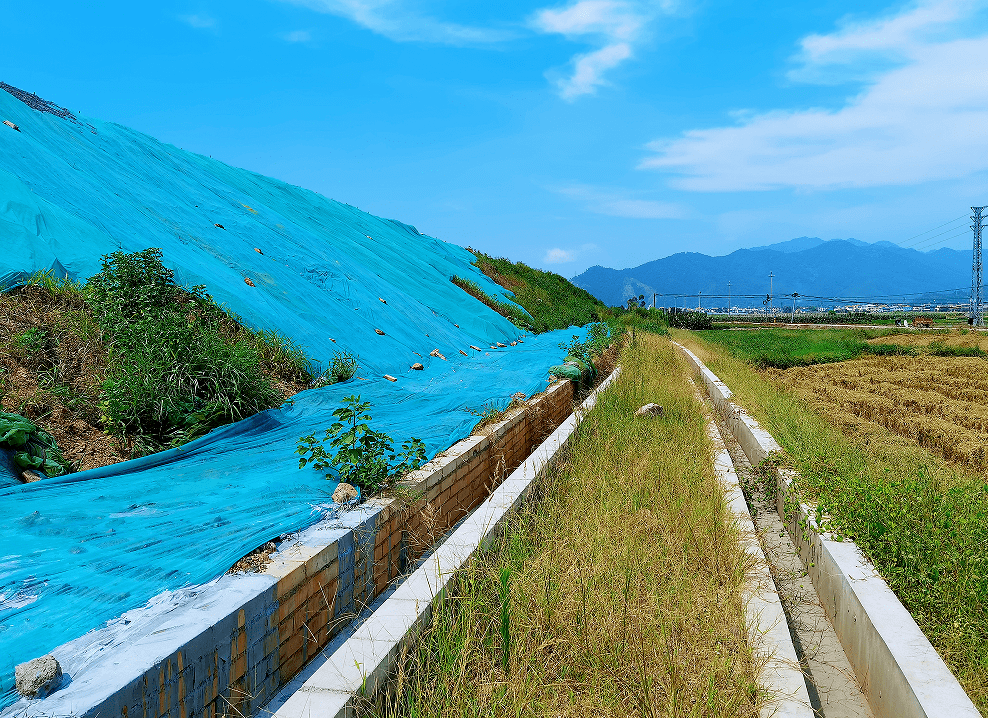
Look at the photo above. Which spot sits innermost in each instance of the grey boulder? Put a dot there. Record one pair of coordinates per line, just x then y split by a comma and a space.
38, 678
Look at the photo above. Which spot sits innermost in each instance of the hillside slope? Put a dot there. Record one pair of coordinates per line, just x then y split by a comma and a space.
73, 189
837, 268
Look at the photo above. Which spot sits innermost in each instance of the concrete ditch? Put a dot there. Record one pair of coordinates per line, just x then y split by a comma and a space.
358, 667
225, 648
899, 671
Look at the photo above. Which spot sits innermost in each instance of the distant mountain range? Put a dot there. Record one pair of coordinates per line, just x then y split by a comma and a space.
815, 268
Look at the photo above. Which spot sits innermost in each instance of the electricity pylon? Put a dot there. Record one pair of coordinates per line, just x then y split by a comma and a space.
977, 318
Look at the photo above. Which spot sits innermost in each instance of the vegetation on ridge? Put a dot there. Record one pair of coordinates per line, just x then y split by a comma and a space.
864, 436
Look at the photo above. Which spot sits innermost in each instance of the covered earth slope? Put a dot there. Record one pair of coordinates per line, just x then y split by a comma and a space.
84, 548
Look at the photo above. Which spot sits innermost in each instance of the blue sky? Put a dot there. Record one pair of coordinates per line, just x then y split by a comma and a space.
566, 134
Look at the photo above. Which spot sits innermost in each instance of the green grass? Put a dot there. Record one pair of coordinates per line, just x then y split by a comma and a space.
920, 520
785, 348
169, 363
552, 301
509, 310
614, 592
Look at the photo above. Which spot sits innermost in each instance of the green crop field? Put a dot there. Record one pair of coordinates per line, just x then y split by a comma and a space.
785, 348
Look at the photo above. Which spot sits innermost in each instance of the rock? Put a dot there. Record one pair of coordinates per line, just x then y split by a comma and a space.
389, 377
38, 678
379, 299
248, 282
417, 366
650, 410
476, 348
520, 395
30, 475
514, 344
219, 225
463, 352
344, 493
503, 346
436, 353
380, 331
457, 326
258, 251
332, 340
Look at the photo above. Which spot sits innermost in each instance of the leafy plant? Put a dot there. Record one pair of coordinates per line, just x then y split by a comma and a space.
31, 340
361, 456
31, 447
690, 320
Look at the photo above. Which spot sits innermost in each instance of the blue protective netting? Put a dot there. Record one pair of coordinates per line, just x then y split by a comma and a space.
81, 549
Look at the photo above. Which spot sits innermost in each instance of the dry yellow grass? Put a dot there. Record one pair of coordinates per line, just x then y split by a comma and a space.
951, 338
624, 580
938, 403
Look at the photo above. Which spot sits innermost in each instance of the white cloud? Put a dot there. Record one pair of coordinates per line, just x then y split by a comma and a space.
613, 25
200, 22
920, 116
618, 204
296, 36
558, 256
589, 69
399, 20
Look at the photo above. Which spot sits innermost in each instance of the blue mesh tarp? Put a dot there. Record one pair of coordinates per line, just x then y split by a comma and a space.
81, 549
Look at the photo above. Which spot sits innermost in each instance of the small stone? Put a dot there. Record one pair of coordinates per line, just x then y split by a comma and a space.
11, 125
332, 340
476, 348
463, 352
514, 344
520, 395
437, 353
379, 299
650, 410
38, 678
417, 366
258, 251
503, 346
379, 331
345, 493
389, 377
29, 476
219, 225
248, 282
457, 326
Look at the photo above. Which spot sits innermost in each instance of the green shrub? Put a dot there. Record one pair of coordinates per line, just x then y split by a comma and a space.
362, 457
690, 320
177, 369
342, 367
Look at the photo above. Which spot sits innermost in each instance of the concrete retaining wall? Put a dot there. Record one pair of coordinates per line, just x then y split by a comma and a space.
899, 671
225, 649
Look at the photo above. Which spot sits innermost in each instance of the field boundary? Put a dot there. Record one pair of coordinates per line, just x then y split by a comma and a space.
900, 672
782, 675
361, 665
226, 648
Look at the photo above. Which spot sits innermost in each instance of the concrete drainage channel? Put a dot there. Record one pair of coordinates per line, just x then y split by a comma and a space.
899, 672
226, 648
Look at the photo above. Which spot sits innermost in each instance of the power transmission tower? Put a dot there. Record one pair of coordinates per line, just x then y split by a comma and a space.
977, 318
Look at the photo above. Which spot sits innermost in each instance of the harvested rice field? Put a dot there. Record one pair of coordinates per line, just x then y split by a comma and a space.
939, 403
890, 448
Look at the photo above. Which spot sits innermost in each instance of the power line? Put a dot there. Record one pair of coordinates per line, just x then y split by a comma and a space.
907, 239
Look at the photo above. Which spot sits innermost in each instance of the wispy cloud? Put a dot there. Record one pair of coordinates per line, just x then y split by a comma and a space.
200, 21
612, 25
622, 203
919, 117
296, 36
400, 20
558, 255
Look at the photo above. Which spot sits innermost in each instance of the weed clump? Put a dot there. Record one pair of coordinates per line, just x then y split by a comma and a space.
179, 364
362, 456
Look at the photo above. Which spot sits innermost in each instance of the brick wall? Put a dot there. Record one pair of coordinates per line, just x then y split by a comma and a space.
236, 665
